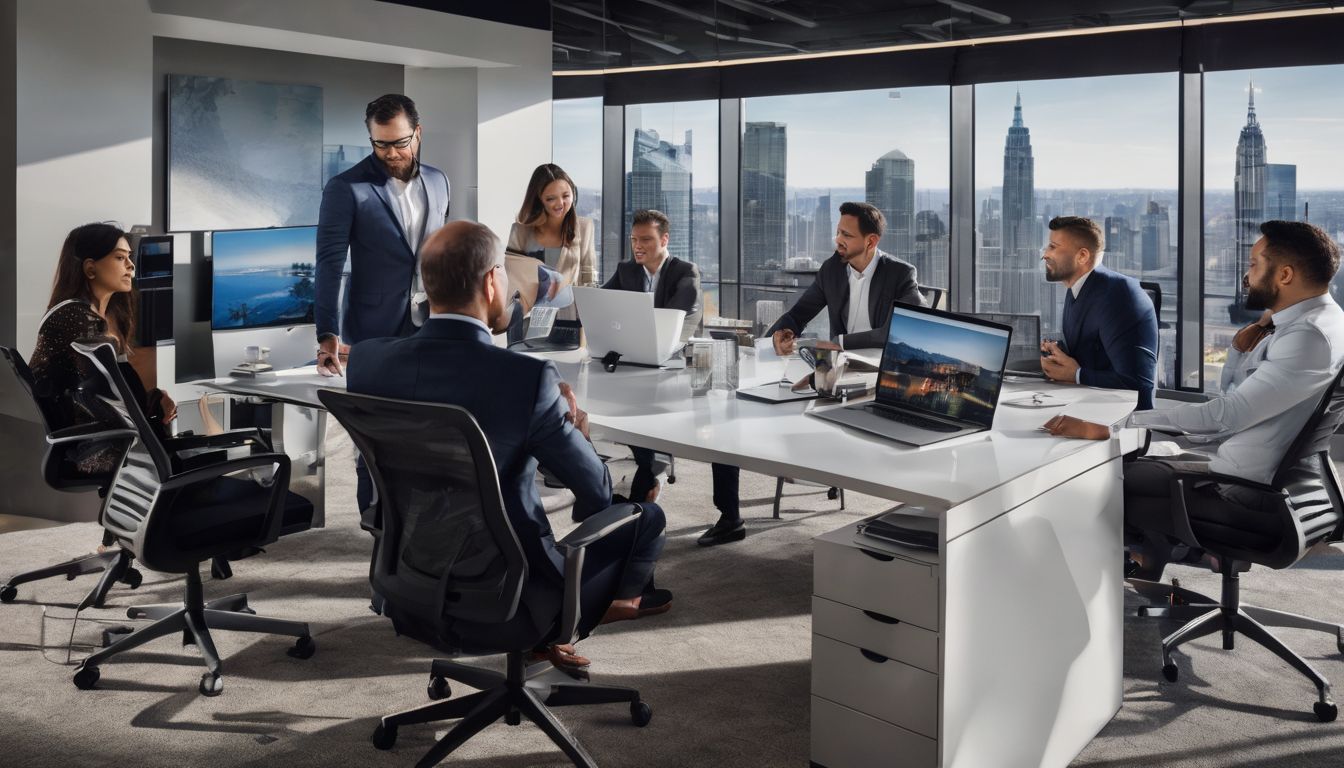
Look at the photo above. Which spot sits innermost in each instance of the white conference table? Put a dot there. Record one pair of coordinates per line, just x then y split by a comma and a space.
1027, 579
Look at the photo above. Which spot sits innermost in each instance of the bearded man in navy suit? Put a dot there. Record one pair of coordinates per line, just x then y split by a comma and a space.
1110, 326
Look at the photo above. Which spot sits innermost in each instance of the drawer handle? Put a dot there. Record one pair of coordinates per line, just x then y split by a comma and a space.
875, 657
877, 556
879, 617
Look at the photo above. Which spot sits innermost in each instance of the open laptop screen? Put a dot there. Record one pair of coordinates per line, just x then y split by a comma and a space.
943, 364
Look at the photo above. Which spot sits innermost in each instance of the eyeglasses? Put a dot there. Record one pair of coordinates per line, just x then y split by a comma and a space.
402, 143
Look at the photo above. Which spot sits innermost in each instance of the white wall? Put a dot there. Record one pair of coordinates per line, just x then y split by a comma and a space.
83, 132
446, 99
514, 114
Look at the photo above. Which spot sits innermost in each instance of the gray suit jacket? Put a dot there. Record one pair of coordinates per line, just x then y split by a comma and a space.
893, 280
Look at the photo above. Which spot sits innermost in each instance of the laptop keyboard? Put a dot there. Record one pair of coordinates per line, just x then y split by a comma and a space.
909, 418
564, 336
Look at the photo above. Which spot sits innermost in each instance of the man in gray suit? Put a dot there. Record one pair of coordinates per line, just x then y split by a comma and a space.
856, 285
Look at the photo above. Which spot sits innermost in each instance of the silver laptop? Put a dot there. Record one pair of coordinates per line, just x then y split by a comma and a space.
939, 378
627, 323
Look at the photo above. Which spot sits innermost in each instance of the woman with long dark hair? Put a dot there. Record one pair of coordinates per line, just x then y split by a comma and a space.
92, 301
547, 220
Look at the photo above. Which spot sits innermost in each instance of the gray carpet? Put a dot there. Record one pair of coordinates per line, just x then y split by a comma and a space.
726, 671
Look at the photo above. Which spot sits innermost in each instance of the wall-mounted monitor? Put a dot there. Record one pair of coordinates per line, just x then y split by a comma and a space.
154, 280
262, 277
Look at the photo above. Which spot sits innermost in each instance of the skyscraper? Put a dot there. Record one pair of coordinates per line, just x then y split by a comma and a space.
1013, 282
823, 230
660, 177
1020, 243
931, 249
1281, 191
1154, 237
1249, 201
764, 170
1120, 245
890, 186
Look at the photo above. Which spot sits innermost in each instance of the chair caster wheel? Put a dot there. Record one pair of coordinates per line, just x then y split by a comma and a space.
303, 648
832, 493
211, 684
8, 593
1326, 712
640, 713
86, 677
1170, 672
384, 736
112, 634
438, 688
671, 479
132, 578
1338, 643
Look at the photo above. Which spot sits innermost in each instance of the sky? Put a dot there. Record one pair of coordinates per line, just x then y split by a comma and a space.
255, 248
1300, 110
977, 347
1117, 132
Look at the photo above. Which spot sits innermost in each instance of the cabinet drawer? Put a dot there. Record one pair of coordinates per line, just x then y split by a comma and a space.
843, 738
874, 685
872, 581
890, 637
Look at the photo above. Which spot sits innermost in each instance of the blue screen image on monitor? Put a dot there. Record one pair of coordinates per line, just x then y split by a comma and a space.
263, 277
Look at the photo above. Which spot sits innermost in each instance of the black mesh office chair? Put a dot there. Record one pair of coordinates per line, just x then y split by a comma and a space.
174, 513
453, 575
58, 471
1298, 509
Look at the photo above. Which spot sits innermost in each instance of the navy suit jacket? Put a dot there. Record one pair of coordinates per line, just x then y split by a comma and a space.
678, 288
1112, 333
357, 215
893, 280
516, 400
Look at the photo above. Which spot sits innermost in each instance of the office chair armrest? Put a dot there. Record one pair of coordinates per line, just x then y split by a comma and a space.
573, 546
1214, 477
597, 526
231, 439
213, 471
92, 431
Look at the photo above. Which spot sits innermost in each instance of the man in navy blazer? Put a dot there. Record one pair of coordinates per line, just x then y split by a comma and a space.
856, 285
1110, 326
526, 415
380, 211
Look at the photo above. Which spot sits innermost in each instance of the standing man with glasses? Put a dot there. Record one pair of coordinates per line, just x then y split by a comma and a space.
380, 212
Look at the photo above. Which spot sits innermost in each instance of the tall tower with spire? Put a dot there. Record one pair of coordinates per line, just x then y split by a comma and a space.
1249, 199
1020, 242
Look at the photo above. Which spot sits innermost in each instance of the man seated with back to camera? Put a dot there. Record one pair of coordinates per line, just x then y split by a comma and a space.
1276, 370
527, 415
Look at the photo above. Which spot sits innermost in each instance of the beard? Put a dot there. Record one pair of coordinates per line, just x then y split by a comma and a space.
1261, 297
1057, 274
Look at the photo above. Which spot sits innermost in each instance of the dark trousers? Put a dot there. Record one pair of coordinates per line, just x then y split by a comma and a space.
1149, 526
726, 479
621, 565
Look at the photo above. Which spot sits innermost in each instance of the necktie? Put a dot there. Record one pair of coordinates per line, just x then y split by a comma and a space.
1068, 315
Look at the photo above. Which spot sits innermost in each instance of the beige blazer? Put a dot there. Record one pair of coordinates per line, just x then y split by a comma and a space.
578, 260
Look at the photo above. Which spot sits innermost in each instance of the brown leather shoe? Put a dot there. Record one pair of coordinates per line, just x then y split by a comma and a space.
651, 603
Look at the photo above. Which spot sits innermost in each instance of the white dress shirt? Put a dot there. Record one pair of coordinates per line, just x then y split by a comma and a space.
1269, 392
858, 319
651, 278
464, 318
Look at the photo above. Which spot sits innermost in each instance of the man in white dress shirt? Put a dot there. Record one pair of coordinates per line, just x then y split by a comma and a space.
1277, 369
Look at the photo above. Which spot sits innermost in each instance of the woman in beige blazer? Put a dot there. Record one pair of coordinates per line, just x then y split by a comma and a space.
547, 220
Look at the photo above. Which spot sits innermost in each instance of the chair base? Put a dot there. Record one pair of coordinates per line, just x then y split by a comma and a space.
832, 492
193, 620
1205, 616
114, 565
506, 696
